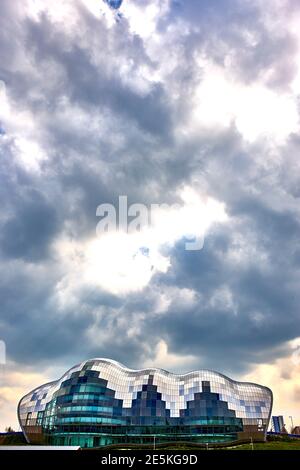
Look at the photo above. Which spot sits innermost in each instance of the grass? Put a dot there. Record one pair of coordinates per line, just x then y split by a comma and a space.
284, 443
270, 445
13, 439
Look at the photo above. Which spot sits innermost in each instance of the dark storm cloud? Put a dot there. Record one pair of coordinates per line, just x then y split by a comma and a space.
28, 232
142, 150
262, 315
85, 83
89, 86
263, 312
29, 219
143, 119
94, 89
35, 327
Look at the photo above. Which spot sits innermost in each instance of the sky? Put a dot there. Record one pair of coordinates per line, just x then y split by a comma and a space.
167, 102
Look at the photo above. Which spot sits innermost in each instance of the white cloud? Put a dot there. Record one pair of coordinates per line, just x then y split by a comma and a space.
258, 112
171, 361
21, 132
121, 262
283, 377
143, 18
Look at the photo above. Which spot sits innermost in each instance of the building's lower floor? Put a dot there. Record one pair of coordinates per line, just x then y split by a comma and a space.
97, 436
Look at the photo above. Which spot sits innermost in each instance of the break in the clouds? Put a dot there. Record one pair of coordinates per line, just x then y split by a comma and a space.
167, 102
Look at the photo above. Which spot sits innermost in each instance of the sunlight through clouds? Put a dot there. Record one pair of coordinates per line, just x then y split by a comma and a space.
123, 262
256, 111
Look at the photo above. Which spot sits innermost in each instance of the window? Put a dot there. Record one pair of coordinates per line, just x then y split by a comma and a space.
28, 419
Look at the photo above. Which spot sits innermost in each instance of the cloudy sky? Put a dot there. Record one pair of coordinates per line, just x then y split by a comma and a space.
193, 102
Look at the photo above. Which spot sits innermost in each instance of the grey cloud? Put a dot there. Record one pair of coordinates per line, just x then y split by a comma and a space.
237, 30
264, 285
28, 231
84, 169
33, 324
87, 84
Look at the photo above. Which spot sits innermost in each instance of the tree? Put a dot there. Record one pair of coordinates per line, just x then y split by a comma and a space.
9, 429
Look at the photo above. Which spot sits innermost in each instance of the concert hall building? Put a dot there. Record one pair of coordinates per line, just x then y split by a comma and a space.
101, 402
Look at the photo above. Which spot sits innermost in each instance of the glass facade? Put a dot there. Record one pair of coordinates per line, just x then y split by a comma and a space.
101, 402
